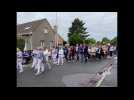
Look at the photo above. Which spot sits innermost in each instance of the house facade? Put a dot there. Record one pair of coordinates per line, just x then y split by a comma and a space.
39, 33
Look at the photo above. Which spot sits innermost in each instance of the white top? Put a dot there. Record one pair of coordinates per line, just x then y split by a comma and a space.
49, 53
93, 49
89, 50
45, 52
76, 48
61, 52
111, 48
19, 54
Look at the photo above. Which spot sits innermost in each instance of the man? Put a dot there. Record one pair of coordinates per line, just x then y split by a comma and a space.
81, 52
34, 56
40, 58
77, 52
114, 50
98, 52
46, 57
60, 56
69, 54
111, 50
66, 53
93, 50
72, 53
54, 54
19, 60
85, 53
89, 50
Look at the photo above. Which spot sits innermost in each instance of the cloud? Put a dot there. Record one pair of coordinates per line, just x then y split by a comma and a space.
99, 24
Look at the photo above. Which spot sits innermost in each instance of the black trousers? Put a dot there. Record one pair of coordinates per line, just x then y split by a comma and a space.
66, 57
85, 56
77, 56
111, 53
98, 55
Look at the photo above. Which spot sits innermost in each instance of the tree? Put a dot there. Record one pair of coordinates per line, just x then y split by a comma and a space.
20, 43
105, 40
74, 39
90, 41
77, 29
98, 42
114, 41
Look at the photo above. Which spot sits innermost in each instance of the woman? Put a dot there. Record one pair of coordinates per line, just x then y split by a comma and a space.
72, 53
60, 56
93, 52
19, 60
54, 54
46, 55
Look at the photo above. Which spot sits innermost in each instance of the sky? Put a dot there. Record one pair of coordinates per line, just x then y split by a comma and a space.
98, 24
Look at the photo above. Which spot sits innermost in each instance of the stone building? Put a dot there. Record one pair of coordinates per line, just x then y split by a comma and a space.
39, 33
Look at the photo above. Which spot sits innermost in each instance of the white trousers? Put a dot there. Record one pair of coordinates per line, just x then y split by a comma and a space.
54, 59
40, 66
60, 58
34, 65
19, 65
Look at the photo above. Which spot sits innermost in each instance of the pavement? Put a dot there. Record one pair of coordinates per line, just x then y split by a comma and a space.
56, 76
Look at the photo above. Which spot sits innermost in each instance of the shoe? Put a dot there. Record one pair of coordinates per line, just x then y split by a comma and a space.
37, 73
20, 71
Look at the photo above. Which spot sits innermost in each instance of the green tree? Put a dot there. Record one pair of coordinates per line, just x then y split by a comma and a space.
20, 43
74, 39
105, 40
114, 41
90, 41
98, 42
77, 29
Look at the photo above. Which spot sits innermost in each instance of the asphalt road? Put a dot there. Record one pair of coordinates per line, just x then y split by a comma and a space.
53, 77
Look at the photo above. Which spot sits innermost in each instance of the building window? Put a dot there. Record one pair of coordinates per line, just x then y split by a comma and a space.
45, 31
42, 43
27, 28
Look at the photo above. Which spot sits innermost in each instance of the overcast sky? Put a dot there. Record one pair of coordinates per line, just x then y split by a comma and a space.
99, 24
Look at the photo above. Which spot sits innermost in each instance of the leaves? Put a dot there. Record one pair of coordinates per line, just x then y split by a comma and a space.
77, 32
20, 43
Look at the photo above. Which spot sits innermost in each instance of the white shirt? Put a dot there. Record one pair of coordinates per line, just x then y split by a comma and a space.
76, 48
19, 54
46, 52
111, 48
89, 50
61, 52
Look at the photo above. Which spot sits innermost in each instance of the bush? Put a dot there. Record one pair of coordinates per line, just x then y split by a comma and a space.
20, 43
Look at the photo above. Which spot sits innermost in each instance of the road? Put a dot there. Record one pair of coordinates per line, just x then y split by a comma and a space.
54, 77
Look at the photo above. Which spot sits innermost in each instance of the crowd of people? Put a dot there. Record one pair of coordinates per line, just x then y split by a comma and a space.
43, 58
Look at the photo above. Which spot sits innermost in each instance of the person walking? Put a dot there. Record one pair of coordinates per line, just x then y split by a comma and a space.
111, 50
60, 56
81, 53
19, 60
34, 56
40, 58
66, 53
77, 52
85, 53
54, 54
